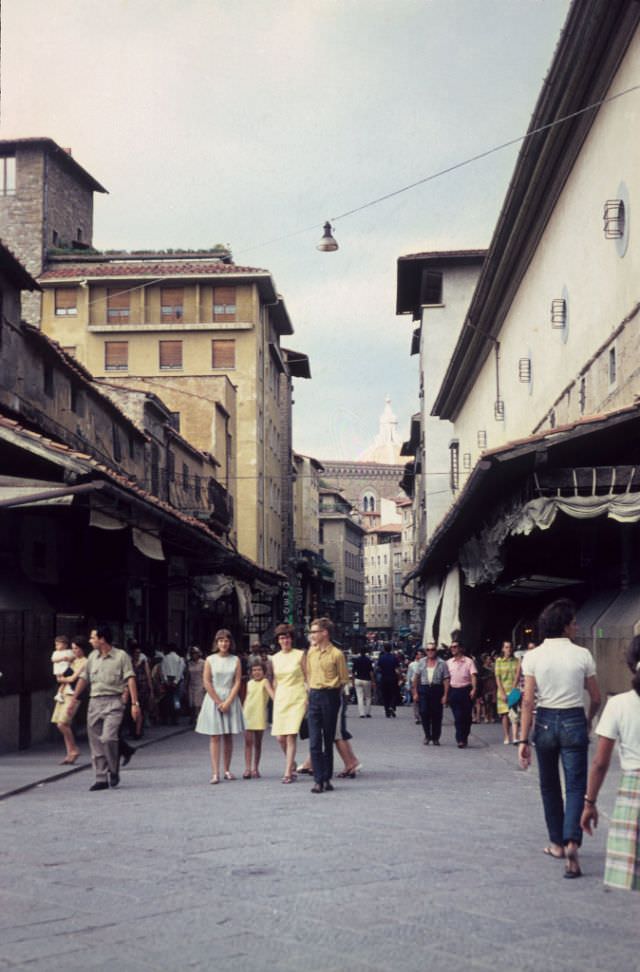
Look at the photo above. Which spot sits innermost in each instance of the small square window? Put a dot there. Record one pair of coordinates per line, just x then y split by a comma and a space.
223, 353
117, 306
224, 303
170, 355
116, 355
171, 304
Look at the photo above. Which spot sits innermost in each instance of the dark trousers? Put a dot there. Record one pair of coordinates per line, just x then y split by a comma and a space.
561, 736
389, 693
430, 708
462, 708
322, 717
170, 704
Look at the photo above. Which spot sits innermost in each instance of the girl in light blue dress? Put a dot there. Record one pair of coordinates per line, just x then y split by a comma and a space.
221, 712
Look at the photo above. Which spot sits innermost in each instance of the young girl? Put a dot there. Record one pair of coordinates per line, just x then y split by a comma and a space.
221, 713
620, 721
255, 718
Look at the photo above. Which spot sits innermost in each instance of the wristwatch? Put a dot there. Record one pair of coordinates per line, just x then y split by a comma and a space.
136, 704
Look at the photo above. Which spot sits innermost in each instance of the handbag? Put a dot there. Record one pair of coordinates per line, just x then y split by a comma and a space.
304, 728
514, 697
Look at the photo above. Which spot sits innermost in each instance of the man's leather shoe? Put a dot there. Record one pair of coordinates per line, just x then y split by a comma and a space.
318, 788
99, 785
127, 754
114, 779
328, 786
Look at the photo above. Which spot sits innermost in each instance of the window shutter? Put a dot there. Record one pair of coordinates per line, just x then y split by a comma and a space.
171, 301
66, 300
224, 303
116, 355
170, 354
223, 354
431, 287
117, 303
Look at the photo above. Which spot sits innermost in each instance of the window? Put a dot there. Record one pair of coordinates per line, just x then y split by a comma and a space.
613, 366
224, 303
454, 459
174, 420
66, 301
117, 306
171, 304
431, 289
116, 355
117, 451
185, 477
171, 466
582, 395
54, 238
155, 469
223, 353
170, 355
8, 175
76, 400
197, 492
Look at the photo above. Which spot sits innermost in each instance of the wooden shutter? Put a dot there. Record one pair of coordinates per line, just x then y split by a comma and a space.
171, 302
66, 300
170, 354
117, 304
223, 353
116, 355
224, 303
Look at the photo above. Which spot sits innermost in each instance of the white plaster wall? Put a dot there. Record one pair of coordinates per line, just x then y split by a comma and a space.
439, 334
602, 286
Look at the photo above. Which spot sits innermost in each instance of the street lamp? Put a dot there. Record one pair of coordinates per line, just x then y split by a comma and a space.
327, 244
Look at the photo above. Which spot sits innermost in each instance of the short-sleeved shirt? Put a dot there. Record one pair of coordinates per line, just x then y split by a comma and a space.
620, 720
440, 672
362, 667
461, 668
326, 668
108, 674
560, 669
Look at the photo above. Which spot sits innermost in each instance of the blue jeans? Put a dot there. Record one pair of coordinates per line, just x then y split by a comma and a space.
561, 734
322, 716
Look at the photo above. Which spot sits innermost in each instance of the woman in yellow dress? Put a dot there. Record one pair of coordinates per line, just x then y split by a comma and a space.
507, 673
290, 697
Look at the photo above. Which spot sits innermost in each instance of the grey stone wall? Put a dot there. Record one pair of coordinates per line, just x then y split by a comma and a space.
356, 478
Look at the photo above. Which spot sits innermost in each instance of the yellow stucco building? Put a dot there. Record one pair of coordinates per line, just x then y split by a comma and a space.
204, 335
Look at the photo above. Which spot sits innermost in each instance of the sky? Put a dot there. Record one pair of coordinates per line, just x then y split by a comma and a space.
251, 122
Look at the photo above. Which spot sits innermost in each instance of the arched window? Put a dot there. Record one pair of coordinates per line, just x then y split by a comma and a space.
368, 503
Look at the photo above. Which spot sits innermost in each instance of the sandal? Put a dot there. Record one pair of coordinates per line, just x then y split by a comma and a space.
215, 778
228, 775
572, 869
287, 779
246, 775
255, 774
551, 853
347, 775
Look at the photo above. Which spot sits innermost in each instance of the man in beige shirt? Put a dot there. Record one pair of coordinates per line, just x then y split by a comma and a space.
109, 672
326, 675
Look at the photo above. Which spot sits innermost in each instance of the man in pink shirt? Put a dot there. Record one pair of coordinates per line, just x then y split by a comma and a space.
462, 691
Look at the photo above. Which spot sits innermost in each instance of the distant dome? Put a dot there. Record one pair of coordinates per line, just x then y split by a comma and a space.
387, 444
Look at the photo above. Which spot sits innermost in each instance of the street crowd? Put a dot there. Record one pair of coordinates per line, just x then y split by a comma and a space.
537, 694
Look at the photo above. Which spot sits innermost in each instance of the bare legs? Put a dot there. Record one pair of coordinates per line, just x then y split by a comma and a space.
347, 755
288, 747
214, 748
252, 753
69, 742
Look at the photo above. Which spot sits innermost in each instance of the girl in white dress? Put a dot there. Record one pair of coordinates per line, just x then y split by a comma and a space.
221, 712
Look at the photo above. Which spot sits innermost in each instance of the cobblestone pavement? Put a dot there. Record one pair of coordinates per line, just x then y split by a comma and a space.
430, 860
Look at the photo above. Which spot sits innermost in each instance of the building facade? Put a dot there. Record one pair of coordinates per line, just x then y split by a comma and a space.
342, 546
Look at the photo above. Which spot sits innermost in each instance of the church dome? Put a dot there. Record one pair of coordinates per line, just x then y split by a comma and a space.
387, 444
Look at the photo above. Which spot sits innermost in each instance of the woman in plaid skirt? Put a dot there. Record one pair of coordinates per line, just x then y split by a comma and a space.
620, 721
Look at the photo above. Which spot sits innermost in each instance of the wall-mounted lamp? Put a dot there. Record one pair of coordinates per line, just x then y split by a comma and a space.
327, 244
482, 439
558, 313
498, 410
614, 218
524, 370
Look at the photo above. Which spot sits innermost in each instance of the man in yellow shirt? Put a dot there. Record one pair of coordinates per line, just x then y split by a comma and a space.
326, 675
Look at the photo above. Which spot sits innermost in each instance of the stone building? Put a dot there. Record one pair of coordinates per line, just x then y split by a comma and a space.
342, 546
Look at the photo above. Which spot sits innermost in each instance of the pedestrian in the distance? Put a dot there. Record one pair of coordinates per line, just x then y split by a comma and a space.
507, 673
62, 717
221, 716
463, 686
388, 665
363, 683
111, 678
431, 692
620, 722
561, 671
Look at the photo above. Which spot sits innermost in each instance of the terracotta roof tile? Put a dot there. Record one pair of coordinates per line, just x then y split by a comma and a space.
136, 268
